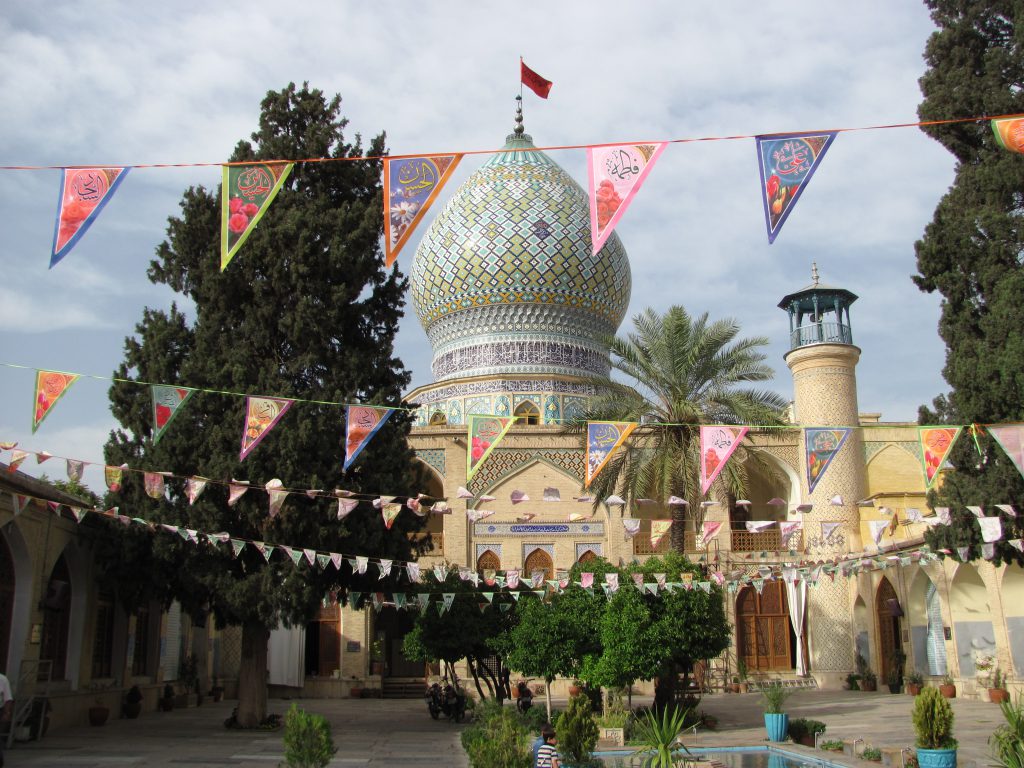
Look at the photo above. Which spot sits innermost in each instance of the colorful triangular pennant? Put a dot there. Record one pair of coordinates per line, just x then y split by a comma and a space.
361, 424
1009, 133
261, 416
411, 184
821, 446
247, 190
485, 432
1011, 437
616, 174
936, 443
167, 401
83, 193
50, 387
658, 530
603, 439
717, 444
786, 163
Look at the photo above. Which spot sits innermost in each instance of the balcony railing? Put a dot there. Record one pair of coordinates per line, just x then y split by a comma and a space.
820, 333
642, 542
769, 540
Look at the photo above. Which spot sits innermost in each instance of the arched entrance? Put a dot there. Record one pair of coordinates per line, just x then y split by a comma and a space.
587, 557
764, 633
53, 646
927, 636
7, 588
488, 561
888, 613
539, 560
972, 618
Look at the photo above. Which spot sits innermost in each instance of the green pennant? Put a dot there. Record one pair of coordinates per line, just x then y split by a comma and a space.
399, 598
489, 596
295, 554
322, 560
237, 545
267, 551
246, 193
504, 607
353, 599
515, 596
424, 601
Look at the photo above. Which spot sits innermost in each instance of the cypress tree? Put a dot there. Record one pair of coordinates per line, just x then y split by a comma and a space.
305, 311
971, 253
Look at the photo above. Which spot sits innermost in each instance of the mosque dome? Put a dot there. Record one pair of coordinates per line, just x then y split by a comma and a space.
505, 280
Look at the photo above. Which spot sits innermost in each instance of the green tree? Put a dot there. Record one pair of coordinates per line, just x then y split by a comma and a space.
467, 630
306, 311
680, 372
971, 255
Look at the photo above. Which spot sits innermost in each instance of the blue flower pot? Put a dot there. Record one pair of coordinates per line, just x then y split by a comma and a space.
936, 758
778, 727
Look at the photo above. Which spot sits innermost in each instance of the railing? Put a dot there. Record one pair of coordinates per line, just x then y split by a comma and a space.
820, 333
769, 540
642, 541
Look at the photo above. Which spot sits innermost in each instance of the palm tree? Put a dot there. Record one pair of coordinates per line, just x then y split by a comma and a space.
680, 372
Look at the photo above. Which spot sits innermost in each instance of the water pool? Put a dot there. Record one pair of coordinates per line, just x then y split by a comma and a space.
732, 757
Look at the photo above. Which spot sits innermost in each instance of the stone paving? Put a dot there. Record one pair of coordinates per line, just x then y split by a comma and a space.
375, 732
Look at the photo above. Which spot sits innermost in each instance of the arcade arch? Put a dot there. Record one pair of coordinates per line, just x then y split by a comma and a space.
927, 636
972, 618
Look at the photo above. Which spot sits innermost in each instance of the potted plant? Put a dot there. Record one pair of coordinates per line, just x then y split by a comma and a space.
657, 737
914, 682
803, 731
997, 693
166, 702
216, 691
947, 688
377, 657
776, 722
575, 688
933, 727
894, 678
132, 705
869, 681
741, 669
853, 682
98, 713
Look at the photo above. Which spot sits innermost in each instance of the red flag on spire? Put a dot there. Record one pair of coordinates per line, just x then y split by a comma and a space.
533, 81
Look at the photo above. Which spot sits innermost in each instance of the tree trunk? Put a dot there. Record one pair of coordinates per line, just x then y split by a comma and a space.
678, 528
252, 675
547, 695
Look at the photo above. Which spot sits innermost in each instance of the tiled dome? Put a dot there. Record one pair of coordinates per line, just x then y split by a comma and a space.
505, 282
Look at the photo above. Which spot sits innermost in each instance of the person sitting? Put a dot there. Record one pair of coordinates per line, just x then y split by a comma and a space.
525, 696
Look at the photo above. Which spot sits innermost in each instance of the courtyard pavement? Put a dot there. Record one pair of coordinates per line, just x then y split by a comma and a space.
375, 732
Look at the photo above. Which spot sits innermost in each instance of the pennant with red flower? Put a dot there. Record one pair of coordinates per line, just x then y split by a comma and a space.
717, 444
83, 193
361, 424
246, 193
50, 387
1009, 133
603, 439
786, 163
936, 443
167, 401
261, 416
485, 432
616, 174
411, 184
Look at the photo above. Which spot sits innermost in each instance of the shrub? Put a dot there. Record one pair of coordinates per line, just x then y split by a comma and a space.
657, 736
577, 731
831, 745
773, 696
614, 718
933, 720
874, 754
497, 739
1008, 739
307, 739
801, 727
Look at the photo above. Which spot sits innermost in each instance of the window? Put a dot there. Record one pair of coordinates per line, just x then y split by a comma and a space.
528, 413
438, 419
103, 637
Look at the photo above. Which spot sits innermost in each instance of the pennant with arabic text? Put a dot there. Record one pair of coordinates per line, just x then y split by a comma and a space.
167, 401
658, 530
616, 174
786, 163
50, 387
83, 193
485, 432
1011, 439
411, 184
261, 416
112, 477
246, 193
717, 444
1009, 133
936, 442
603, 439
361, 424
709, 531
389, 512
821, 446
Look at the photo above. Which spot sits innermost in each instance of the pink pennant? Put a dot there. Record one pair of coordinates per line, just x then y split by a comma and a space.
236, 489
616, 174
154, 484
717, 444
194, 486
83, 193
261, 416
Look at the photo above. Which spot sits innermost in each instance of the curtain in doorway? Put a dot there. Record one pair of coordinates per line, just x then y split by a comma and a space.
796, 594
936, 636
286, 656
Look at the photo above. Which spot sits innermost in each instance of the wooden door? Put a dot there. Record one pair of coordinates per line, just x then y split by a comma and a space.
56, 617
763, 629
887, 609
539, 560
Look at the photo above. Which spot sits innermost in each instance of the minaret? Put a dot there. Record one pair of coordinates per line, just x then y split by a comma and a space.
823, 360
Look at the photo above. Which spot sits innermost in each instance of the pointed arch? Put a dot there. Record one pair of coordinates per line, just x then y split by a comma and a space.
927, 634
539, 560
488, 561
972, 618
587, 556
21, 606
527, 412
888, 612
535, 459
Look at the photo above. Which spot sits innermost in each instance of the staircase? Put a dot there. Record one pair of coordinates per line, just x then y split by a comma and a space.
403, 688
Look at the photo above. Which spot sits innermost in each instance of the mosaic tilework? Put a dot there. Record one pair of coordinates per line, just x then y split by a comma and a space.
596, 547
434, 457
464, 389
913, 447
529, 549
552, 412
481, 548
455, 412
517, 234
573, 407
502, 406
519, 356
478, 404
505, 461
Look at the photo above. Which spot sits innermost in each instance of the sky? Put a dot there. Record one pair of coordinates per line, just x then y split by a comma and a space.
117, 83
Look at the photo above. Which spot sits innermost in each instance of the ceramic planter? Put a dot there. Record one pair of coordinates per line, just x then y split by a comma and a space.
936, 758
998, 695
913, 689
949, 691
868, 685
777, 726
98, 715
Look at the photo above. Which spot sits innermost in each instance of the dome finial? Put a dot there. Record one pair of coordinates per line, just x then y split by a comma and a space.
814, 272
519, 129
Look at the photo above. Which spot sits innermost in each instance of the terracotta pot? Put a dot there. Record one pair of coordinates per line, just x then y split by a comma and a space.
575, 690
998, 695
949, 691
98, 715
808, 740
744, 687
355, 692
515, 691
868, 685
913, 689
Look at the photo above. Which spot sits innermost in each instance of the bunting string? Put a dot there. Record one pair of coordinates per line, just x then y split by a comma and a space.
548, 148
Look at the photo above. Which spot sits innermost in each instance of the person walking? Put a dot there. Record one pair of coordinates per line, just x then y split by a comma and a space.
547, 755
